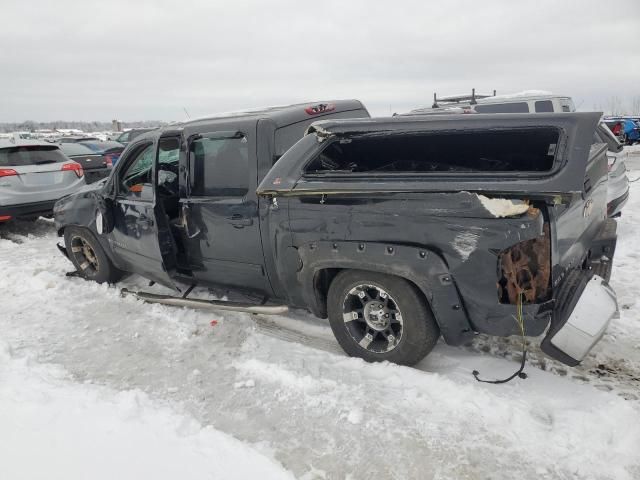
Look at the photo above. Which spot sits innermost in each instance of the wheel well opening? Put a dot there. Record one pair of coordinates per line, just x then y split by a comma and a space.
321, 283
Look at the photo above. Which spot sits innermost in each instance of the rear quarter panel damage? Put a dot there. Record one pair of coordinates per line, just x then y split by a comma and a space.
462, 239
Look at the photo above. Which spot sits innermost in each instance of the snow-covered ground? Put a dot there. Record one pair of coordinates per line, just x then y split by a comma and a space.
54, 428
93, 385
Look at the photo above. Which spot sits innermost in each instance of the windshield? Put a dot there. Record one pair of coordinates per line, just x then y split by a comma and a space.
30, 155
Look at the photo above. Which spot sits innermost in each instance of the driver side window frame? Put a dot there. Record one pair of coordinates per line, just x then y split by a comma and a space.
136, 152
156, 159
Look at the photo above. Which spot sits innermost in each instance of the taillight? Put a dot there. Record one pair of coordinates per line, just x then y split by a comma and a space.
320, 108
110, 159
5, 218
7, 172
76, 167
611, 161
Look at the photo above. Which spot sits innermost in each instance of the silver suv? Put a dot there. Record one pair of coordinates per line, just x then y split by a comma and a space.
33, 175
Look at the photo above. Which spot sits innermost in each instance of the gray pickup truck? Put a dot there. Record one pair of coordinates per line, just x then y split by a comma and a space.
399, 230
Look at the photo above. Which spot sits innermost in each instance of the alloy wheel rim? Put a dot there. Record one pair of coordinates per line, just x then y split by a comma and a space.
372, 318
85, 255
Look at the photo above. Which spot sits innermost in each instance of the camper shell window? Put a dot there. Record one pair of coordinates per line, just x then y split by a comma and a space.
288, 135
515, 150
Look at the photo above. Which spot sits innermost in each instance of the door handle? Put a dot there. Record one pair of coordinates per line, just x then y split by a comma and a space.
238, 221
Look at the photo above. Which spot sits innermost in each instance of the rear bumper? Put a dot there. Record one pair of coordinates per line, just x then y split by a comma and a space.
584, 302
27, 209
585, 318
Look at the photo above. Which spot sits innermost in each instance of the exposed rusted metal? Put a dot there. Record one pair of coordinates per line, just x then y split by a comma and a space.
525, 269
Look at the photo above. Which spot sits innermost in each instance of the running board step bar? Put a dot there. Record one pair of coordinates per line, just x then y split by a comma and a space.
207, 304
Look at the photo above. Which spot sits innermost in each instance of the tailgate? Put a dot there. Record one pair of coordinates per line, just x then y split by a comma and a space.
579, 219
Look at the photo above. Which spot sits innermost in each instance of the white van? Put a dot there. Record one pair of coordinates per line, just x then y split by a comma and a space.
531, 101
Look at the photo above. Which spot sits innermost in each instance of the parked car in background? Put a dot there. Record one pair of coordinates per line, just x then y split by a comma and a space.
33, 176
626, 129
531, 101
95, 165
110, 150
618, 182
125, 137
77, 139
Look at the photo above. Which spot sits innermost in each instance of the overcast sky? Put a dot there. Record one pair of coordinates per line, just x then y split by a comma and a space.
135, 60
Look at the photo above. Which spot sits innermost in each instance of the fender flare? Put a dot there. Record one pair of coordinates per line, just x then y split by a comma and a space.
419, 265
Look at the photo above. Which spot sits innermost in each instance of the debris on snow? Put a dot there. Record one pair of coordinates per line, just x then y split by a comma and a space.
355, 416
246, 384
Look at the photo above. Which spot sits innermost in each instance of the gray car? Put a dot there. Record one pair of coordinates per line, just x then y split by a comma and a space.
127, 137
33, 176
618, 183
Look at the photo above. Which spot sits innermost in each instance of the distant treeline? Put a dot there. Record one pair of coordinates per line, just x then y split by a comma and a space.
31, 126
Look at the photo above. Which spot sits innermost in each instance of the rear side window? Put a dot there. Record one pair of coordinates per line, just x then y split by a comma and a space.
219, 167
544, 106
288, 135
567, 105
136, 133
124, 137
523, 150
517, 107
93, 146
74, 149
30, 155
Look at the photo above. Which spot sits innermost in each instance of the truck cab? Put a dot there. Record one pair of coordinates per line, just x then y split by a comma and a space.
181, 203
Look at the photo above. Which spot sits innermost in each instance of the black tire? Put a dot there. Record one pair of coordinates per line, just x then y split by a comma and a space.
419, 330
90, 261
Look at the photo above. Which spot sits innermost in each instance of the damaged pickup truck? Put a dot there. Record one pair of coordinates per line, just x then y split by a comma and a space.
398, 230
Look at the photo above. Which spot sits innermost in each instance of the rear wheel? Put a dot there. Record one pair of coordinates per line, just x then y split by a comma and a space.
380, 317
88, 257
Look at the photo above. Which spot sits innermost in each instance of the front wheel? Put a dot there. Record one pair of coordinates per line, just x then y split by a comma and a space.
380, 317
88, 257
